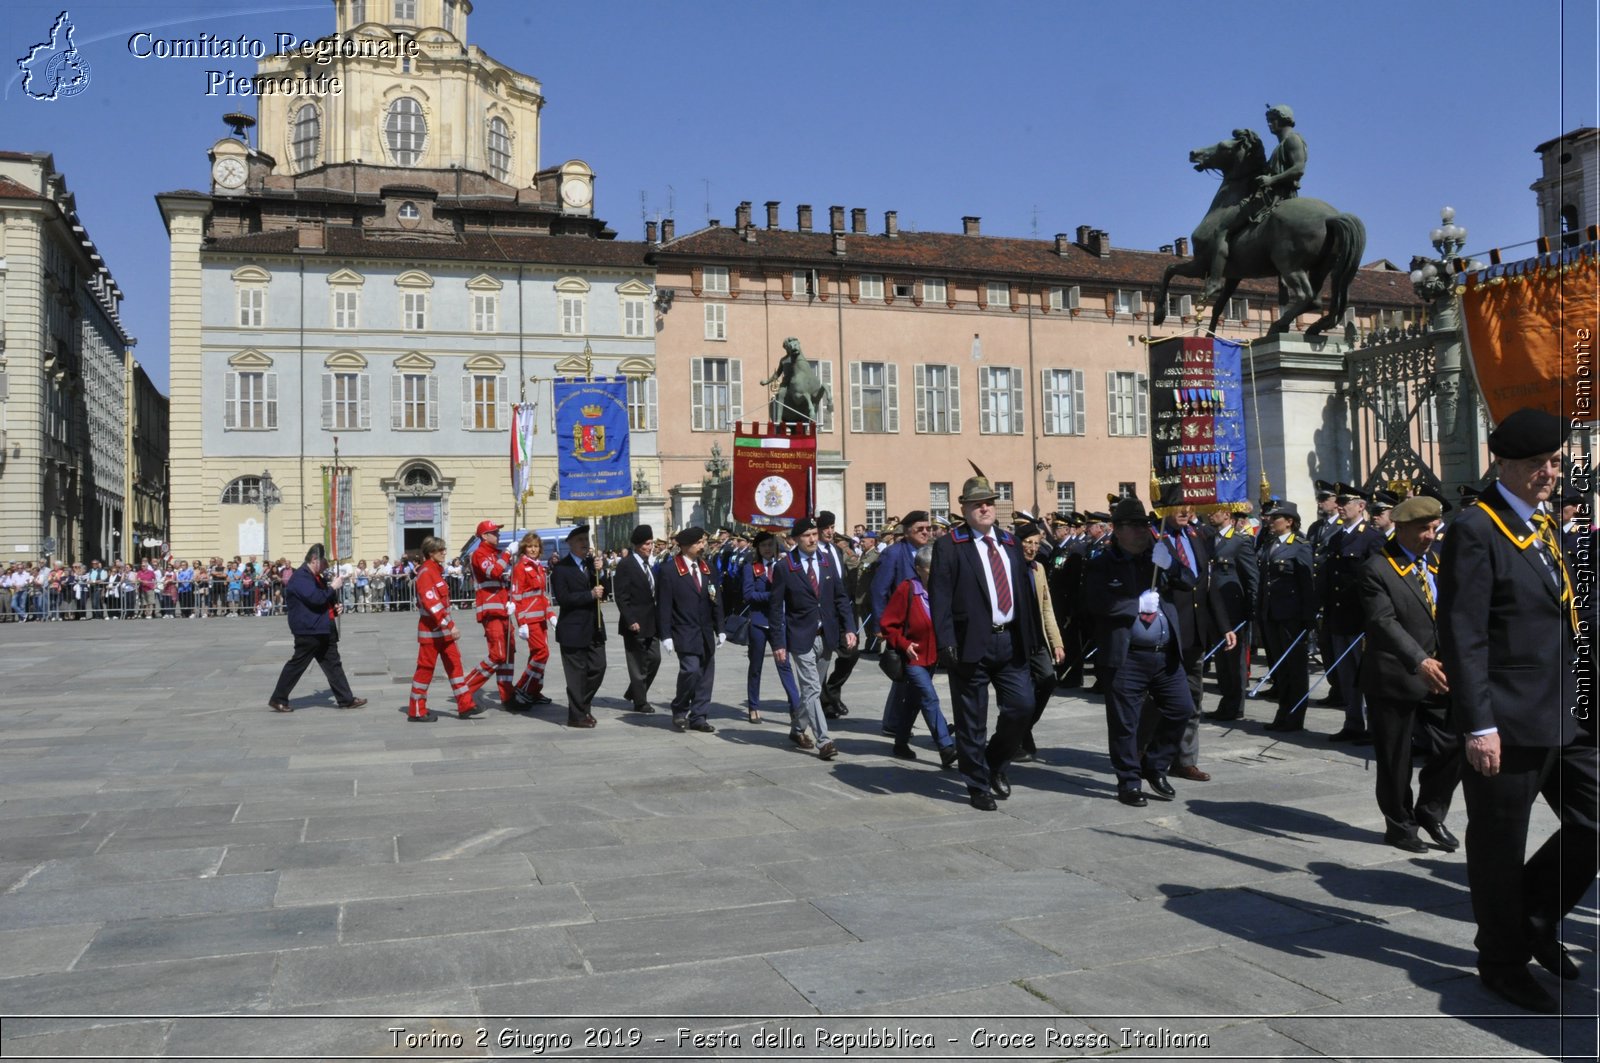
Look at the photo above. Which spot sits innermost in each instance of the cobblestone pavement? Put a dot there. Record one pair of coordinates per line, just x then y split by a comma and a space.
185, 873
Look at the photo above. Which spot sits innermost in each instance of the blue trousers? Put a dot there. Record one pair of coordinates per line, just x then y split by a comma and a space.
918, 693
696, 674
1158, 673
758, 657
969, 697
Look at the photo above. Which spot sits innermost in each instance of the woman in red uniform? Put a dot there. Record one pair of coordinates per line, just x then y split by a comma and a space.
437, 635
531, 604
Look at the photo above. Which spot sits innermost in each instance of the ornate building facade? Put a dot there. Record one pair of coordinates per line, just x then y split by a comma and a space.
65, 377
387, 270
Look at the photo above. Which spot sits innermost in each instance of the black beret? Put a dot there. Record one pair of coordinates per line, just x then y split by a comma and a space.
1528, 433
761, 537
1027, 529
642, 534
803, 525
825, 520
689, 536
581, 531
916, 516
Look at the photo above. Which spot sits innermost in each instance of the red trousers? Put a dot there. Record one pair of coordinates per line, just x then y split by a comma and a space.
532, 681
429, 653
498, 662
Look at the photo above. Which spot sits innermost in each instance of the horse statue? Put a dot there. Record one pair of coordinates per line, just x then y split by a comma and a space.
1302, 242
801, 396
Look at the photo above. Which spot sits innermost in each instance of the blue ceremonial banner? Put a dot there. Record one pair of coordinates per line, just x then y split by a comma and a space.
595, 475
1197, 423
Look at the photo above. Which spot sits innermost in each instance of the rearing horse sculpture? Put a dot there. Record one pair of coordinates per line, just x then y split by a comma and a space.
1302, 242
801, 394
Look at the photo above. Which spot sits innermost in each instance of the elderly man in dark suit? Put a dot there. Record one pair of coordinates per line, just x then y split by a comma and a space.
575, 587
1405, 682
809, 618
634, 587
1507, 628
986, 621
1129, 587
312, 603
689, 617
1235, 577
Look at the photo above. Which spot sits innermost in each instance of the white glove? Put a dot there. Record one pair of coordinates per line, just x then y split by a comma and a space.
721, 638
1162, 555
1150, 602
522, 632
666, 644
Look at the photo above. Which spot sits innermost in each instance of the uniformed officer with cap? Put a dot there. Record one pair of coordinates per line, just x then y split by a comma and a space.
1507, 629
1347, 552
1287, 612
1378, 510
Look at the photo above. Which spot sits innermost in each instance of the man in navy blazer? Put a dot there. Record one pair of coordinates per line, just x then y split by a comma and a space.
810, 618
689, 620
312, 603
986, 620
896, 565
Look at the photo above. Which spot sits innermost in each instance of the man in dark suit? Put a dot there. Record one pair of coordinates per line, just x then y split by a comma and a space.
843, 663
1287, 612
575, 587
689, 618
1507, 625
1235, 577
634, 587
312, 603
986, 621
896, 564
1129, 587
809, 618
1327, 523
1066, 594
1347, 552
1405, 682
1192, 550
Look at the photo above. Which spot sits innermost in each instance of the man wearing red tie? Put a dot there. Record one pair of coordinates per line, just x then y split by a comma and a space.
1190, 550
809, 619
689, 621
986, 621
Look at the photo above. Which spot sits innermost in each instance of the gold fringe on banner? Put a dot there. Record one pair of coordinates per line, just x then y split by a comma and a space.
611, 507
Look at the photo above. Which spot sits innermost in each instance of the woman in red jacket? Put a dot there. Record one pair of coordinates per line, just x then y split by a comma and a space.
437, 636
530, 601
907, 627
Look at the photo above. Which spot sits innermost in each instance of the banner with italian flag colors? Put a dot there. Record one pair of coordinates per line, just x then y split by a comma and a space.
774, 473
523, 416
1197, 423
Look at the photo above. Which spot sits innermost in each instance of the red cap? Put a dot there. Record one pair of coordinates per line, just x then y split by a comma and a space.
487, 527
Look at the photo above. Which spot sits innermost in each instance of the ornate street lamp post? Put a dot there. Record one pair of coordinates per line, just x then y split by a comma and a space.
269, 498
1456, 395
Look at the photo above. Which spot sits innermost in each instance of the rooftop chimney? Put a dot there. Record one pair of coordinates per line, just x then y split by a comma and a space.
858, 219
1083, 235
891, 224
1100, 242
836, 219
666, 230
772, 213
1062, 243
1166, 249
713, 223
310, 237
802, 215
741, 216
649, 232
838, 243
1180, 247
969, 225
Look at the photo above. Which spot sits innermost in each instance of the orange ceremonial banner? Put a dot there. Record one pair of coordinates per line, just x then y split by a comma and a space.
1530, 329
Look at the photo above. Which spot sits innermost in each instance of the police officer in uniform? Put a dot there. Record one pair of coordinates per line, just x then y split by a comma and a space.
1348, 550
1287, 612
1235, 578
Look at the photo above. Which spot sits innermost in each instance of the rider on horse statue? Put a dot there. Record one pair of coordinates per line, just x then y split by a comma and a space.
1281, 181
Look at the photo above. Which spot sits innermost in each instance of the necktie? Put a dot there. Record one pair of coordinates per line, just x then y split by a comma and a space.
694, 568
1182, 550
811, 574
1544, 524
997, 568
1421, 568
651, 576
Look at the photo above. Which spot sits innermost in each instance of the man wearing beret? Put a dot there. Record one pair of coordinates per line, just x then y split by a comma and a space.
1507, 624
634, 586
575, 586
1405, 682
689, 617
810, 618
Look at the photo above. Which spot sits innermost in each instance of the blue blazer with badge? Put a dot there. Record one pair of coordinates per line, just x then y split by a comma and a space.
895, 565
690, 616
958, 593
797, 613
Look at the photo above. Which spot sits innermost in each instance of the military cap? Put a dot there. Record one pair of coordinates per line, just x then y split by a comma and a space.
803, 525
1344, 492
1027, 527
1528, 433
1572, 498
869, 534
581, 531
688, 537
1417, 508
1283, 509
1325, 490
1099, 516
761, 537
1382, 501
1427, 490
977, 489
1129, 510
642, 534
916, 516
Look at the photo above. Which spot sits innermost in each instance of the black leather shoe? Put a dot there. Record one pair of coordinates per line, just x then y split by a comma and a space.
1349, 734
1132, 797
1440, 834
948, 756
981, 801
680, 723
585, 723
542, 700
1223, 717
645, 708
1160, 788
429, 717
903, 751
1516, 984
703, 727
476, 710
1552, 956
999, 785
1409, 842
1279, 725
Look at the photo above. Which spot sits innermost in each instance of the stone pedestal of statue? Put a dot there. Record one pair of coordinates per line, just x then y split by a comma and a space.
1304, 432
830, 488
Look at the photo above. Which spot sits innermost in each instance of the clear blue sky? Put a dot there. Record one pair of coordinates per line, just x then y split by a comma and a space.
1037, 115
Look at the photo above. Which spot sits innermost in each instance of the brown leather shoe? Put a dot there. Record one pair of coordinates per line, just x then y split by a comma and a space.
354, 704
827, 751
802, 741
279, 705
1192, 773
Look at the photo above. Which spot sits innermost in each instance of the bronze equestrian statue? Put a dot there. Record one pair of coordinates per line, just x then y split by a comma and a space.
1302, 242
801, 396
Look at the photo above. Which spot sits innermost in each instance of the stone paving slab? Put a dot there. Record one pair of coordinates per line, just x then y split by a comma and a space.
184, 851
